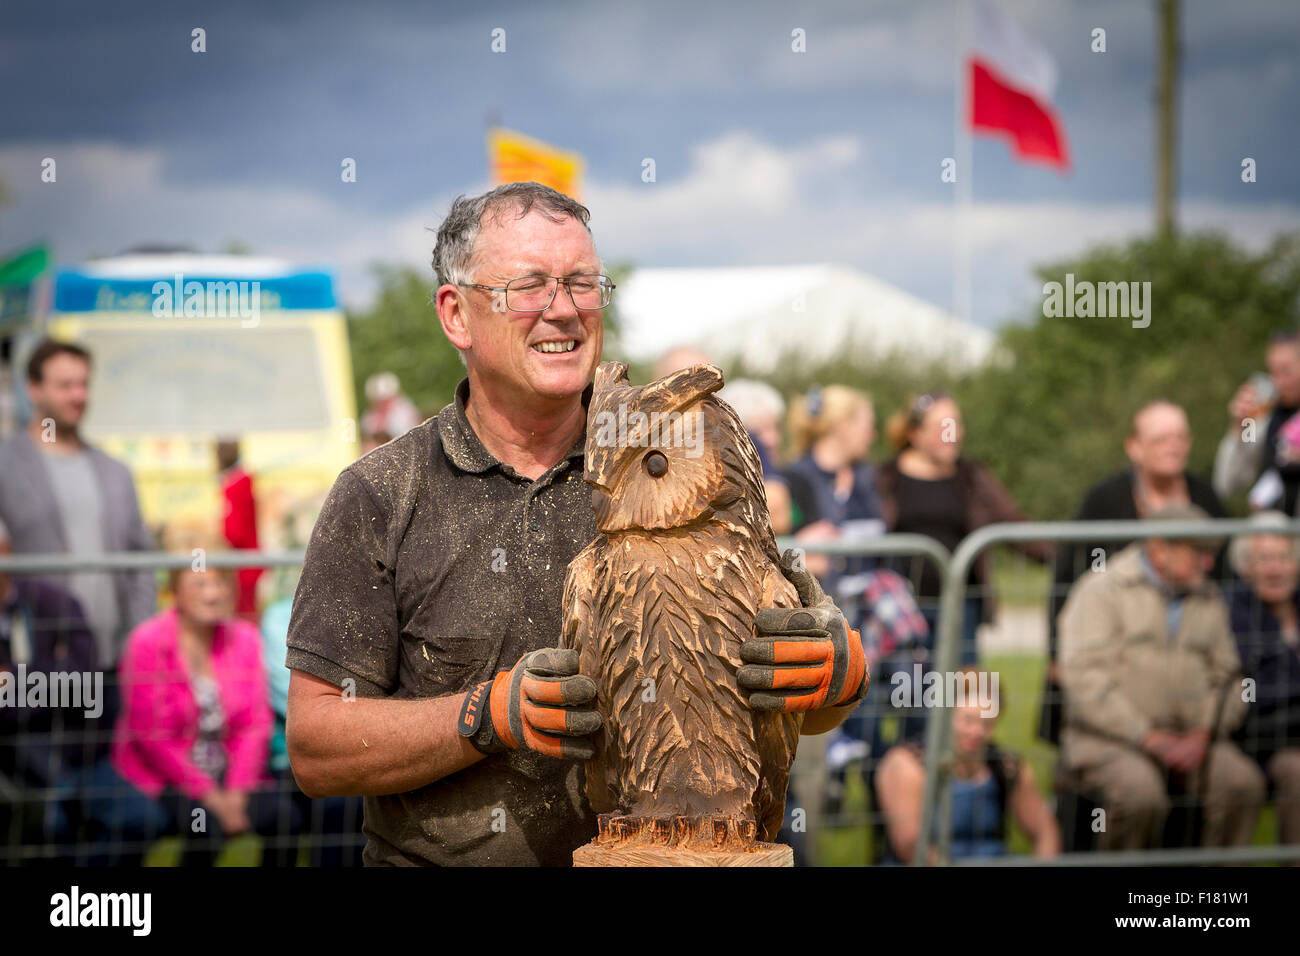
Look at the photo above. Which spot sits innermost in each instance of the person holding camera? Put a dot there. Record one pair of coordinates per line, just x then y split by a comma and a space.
1260, 453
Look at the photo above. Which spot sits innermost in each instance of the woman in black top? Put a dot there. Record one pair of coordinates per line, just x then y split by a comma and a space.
930, 489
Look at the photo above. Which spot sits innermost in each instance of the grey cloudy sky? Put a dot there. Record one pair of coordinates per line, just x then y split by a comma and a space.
763, 156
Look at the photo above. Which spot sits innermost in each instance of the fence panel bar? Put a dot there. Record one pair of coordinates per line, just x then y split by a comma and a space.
954, 569
937, 797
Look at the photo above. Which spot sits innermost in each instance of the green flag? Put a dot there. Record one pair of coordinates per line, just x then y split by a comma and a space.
24, 267
16, 278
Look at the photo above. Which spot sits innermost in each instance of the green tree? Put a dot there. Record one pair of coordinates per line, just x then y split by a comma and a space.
1050, 413
399, 333
1051, 417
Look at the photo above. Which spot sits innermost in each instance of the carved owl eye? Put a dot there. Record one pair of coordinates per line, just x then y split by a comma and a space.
656, 464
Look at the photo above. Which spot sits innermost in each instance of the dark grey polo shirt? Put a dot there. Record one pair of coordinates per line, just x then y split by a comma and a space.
432, 567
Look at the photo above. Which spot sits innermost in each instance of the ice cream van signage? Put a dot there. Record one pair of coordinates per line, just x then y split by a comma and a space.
214, 299
185, 295
189, 298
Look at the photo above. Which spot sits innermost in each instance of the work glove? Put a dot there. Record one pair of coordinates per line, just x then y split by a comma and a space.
541, 704
802, 658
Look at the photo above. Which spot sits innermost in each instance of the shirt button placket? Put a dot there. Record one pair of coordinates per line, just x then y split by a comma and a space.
534, 521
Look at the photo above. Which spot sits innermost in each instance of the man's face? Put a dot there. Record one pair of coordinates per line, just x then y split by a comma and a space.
1284, 369
504, 345
1162, 441
1182, 565
1272, 568
62, 392
767, 429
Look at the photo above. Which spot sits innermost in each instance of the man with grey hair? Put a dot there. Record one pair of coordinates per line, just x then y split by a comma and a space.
1152, 688
1265, 613
761, 408
422, 638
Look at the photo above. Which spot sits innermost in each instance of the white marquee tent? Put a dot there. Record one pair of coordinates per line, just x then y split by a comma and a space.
759, 314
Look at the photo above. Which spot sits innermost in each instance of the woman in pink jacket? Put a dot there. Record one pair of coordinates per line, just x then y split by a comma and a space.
193, 732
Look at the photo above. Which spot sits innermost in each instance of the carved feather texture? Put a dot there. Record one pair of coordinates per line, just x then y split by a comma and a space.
659, 605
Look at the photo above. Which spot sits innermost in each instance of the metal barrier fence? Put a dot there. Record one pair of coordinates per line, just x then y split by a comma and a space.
819, 781
936, 810
937, 800
60, 801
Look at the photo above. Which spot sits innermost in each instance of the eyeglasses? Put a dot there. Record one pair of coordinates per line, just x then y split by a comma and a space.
536, 293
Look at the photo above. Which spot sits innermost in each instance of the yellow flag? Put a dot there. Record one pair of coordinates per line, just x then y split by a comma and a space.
516, 158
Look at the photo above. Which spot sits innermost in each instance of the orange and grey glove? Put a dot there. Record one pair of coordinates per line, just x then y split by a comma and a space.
802, 658
542, 704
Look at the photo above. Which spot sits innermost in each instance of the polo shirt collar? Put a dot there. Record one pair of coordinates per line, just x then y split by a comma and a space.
1147, 572
462, 445
459, 442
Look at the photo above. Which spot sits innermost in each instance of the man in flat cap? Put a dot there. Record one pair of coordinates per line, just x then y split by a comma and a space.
1152, 688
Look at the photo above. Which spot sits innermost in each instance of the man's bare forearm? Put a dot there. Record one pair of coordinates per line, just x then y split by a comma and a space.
371, 746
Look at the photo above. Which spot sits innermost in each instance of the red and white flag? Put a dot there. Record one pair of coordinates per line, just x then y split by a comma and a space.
1012, 80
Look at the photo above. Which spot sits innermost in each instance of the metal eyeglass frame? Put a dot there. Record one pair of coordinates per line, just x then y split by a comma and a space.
606, 283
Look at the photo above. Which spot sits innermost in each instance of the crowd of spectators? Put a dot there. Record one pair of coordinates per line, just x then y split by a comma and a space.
184, 737
1173, 665
1172, 686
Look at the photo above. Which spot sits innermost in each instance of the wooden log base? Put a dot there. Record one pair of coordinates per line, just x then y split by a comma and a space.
640, 854
679, 841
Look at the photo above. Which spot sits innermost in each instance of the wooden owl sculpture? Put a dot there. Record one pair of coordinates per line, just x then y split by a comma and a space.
658, 606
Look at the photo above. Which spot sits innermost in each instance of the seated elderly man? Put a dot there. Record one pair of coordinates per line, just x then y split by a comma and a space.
1265, 614
1152, 686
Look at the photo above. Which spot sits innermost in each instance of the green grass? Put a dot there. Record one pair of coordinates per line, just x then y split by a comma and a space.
848, 845
1018, 581
244, 850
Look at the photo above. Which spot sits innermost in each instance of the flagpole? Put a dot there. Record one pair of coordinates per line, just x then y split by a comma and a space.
936, 801
962, 136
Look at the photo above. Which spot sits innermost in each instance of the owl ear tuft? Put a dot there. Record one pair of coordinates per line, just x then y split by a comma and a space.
609, 374
686, 384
